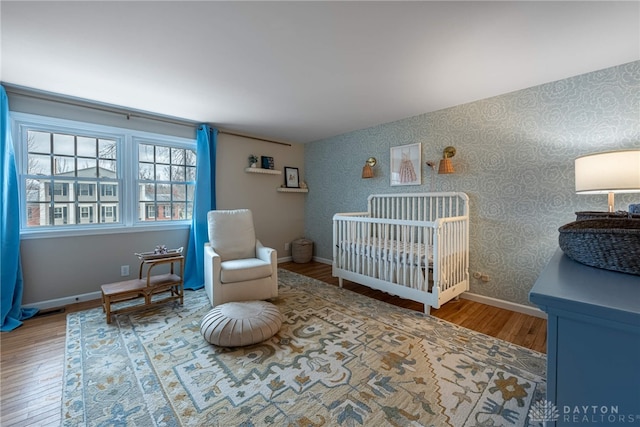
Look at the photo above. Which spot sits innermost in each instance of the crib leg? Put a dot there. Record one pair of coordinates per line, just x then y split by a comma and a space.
427, 309
340, 281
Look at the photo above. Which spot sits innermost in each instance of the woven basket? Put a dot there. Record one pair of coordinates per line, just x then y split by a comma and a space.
301, 250
611, 244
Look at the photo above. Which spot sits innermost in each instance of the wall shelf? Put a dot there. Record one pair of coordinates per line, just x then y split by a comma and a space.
263, 171
292, 190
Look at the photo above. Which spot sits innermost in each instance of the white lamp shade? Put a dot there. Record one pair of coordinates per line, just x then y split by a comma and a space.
609, 172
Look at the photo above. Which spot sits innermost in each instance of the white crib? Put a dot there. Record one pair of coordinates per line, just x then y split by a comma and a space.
414, 245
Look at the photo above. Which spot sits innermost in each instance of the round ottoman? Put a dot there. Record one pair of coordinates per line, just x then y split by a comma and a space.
234, 324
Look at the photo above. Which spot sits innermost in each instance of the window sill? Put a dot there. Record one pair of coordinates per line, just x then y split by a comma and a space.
48, 234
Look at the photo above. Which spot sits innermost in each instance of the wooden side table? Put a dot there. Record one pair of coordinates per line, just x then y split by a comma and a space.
146, 286
593, 343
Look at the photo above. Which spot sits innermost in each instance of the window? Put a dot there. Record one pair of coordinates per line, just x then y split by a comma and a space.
73, 176
166, 182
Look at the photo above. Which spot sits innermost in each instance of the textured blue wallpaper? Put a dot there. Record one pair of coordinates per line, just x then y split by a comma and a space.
515, 155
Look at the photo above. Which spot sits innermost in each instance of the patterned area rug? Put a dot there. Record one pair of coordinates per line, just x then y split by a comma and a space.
340, 359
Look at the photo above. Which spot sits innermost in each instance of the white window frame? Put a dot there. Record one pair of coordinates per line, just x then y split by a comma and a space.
127, 141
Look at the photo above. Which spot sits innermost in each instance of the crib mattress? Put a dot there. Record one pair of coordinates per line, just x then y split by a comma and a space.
390, 250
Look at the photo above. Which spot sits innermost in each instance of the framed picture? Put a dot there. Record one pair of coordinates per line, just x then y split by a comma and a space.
266, 162
405, 165
291, 177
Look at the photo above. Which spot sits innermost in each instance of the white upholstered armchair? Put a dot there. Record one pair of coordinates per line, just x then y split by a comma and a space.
236, 265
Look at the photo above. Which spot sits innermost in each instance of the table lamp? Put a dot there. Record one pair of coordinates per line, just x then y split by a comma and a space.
608, 173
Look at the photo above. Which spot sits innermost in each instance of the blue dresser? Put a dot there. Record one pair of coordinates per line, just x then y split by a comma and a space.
593, 343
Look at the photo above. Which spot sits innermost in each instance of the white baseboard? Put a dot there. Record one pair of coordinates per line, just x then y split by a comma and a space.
61, 302
518, 308
495, 302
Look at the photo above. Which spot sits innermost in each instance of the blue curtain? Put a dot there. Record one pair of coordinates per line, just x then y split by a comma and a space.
204, 201
10, 267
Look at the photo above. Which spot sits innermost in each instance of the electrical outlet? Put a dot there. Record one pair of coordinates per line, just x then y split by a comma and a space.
484, 278
287, 246
477, 275
124, 270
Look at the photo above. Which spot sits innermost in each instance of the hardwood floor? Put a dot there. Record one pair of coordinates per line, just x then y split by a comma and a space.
32, 356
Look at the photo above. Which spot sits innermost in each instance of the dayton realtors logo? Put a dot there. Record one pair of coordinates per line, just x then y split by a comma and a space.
597, 415
543, 411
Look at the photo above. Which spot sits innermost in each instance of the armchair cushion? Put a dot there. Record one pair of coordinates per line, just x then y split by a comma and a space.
231, 233
241, 270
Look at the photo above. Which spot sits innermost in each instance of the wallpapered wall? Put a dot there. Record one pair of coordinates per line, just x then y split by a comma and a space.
515, 157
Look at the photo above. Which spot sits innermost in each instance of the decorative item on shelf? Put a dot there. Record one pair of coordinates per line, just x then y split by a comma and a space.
367, 170
303, 185
144, 256
161, 249
446, 167
267, 162
253, 161
291, 177
608, 173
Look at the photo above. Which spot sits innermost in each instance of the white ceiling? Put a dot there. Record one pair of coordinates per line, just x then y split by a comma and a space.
302, 71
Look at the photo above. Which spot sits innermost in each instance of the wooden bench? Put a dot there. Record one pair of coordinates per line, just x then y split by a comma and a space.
147, 287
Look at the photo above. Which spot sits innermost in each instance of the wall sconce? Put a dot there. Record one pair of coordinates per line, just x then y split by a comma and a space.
367, 171
608, 173
445, 163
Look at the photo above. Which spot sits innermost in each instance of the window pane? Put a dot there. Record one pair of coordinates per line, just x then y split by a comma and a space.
190, 157
38, 142
179, 192
147, 192
179, 210
108, 213
107, 169
88, 168
86, 147
58, 191
106, 149
191, 191
145, 172
177, 156
37, 214
60, 213
35, 190
190, 174
109, 192
163, 155
63, 144
38, 164
163, 173
163, 192
177, 173
145, 153
163, 212
64, 166
87, 213
86, 192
